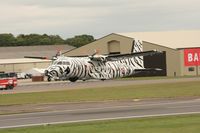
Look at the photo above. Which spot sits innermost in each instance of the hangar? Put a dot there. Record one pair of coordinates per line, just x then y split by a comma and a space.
180, 57
12, 58
22, 64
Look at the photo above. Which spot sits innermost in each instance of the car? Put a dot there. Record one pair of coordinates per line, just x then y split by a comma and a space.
8, 81
21, 75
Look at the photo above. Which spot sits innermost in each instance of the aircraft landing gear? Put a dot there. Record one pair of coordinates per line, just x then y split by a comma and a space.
73, 79
49, 79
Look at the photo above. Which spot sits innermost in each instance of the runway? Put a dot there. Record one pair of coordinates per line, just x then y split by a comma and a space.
80, 112
28, 86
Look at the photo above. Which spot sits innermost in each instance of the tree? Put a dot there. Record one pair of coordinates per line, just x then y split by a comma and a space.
7, 39
80, 40
37, 39
56, 39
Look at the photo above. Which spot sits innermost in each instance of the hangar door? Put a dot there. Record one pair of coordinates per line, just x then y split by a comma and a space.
114, 47
154, 61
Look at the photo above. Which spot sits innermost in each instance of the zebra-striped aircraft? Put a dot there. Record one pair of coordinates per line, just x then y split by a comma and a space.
100, 67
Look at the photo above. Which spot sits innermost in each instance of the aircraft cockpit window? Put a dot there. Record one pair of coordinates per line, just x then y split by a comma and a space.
66, 63
54, 62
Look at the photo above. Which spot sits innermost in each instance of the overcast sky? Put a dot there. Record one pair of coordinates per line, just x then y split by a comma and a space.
97, 17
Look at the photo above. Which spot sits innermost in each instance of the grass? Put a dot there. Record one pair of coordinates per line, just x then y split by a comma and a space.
169, 90
170, 124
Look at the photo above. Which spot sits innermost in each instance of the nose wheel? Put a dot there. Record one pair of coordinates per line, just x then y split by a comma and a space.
52, 75
49, 79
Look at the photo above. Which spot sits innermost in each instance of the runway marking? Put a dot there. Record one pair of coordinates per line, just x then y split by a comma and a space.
189, 106
101, 119
39, 108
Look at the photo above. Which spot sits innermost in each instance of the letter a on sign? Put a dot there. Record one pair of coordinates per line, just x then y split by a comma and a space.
196, 58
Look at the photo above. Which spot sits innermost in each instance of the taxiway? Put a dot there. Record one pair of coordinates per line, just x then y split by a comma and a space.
82, 112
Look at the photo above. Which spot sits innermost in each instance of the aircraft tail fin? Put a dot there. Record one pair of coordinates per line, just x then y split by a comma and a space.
136, 46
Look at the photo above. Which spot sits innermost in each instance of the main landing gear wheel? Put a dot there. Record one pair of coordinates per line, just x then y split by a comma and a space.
74, 79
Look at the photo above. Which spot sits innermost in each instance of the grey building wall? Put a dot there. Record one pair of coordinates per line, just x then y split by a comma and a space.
22, 67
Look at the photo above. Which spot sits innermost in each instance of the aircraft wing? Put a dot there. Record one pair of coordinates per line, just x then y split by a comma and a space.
148, 69
122, 56
116, 57
35, 57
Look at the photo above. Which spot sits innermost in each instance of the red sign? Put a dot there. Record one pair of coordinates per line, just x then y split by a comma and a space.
192, 57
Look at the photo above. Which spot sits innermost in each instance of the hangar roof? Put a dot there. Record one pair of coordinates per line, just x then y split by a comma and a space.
41, 50
21, 61
171, 39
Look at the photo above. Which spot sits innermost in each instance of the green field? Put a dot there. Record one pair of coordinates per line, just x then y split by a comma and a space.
169, 90
171, 124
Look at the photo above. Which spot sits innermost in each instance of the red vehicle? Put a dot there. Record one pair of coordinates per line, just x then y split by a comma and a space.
8, 80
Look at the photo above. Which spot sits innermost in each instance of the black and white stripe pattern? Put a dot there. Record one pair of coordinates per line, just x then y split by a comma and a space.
85, 68
137, 47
